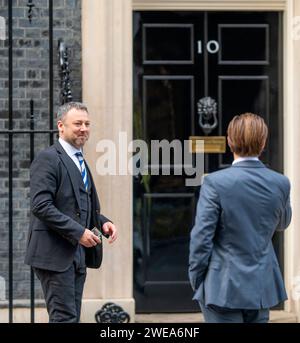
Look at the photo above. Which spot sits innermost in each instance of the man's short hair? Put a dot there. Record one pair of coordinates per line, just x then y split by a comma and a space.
65, 108
247, 134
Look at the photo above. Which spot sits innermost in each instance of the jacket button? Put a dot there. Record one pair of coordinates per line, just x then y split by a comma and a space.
97, 211
78, 214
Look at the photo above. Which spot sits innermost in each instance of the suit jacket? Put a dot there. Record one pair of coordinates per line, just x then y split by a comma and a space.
232, 262
55, 224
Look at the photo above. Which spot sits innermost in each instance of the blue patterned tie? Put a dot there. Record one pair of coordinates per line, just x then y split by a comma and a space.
83, 170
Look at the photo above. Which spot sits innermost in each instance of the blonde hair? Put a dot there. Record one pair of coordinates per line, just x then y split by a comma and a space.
247, 134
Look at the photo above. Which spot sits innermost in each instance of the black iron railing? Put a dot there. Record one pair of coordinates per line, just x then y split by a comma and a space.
11, 133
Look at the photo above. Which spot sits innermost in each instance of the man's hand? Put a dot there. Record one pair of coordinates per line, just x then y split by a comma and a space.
88, 239
109, 228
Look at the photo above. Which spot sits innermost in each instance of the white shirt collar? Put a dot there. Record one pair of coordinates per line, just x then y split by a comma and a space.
249, 158
69, 148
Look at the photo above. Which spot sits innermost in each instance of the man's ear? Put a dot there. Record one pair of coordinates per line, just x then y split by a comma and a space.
263, 148
60, 125
229, 143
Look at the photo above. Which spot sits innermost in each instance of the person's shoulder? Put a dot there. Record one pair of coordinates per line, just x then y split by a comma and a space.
219, 174
280, 178
48, 154
222, 176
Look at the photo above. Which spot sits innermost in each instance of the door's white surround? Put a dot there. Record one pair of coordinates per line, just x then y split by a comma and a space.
107, 91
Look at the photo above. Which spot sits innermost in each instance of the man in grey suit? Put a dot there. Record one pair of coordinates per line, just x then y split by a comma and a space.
233, 268
64, 210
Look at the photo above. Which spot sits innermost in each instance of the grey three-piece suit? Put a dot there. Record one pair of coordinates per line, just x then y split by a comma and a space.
61, 209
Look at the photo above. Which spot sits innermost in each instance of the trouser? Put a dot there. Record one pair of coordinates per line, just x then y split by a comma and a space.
63, 292
216, 314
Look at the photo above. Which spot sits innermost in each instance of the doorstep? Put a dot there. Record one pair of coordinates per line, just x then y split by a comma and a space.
275, 317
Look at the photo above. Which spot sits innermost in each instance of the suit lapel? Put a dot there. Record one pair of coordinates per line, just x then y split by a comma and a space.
95, 200
69, 164
92, 185
91, 182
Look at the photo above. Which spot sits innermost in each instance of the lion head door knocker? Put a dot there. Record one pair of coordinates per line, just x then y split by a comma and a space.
207, 110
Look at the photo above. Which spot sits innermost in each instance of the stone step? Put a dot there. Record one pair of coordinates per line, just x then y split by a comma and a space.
275, 317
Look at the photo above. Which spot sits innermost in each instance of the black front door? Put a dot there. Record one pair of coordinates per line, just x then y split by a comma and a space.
182, 59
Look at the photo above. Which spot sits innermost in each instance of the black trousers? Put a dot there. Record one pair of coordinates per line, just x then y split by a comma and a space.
63, 293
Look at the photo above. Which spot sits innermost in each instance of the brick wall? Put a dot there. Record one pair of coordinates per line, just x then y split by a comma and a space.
30, 81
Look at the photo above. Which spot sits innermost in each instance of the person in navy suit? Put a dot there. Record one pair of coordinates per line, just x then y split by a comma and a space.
233, 268
64, 210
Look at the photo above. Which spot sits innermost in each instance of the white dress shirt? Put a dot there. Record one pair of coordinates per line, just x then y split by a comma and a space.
71, 151
248, 158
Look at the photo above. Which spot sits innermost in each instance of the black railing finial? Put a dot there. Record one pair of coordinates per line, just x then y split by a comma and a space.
30, 6
66, 92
